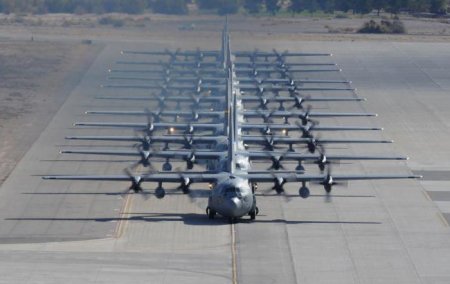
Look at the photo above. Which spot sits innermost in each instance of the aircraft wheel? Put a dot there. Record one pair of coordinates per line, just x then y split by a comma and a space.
211, 213
252, 215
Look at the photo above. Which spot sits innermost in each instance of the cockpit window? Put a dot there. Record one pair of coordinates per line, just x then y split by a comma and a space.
232, 191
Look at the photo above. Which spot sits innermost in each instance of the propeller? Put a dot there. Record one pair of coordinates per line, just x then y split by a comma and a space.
185, 184
135, 182
190, 160
305, 117
155, 115
266, 130
190, 129
144, 159
328, 182
263, 102
276, 162
269, 143
313, 144
195, 115
279, 56
188, 141
196, 100
267, 116
322, 161
135, 186
299, 100
150, 127
278, 184
306, 130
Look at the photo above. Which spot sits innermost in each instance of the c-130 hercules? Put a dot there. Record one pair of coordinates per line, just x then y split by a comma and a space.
233, 183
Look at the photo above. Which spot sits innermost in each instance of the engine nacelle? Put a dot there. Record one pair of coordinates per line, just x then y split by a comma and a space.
167, 166
304, 192
160, 192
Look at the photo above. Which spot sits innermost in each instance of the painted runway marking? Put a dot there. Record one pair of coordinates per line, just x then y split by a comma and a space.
120, 227
233, 254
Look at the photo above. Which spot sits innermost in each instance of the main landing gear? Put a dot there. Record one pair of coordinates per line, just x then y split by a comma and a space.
210, 212
253, 213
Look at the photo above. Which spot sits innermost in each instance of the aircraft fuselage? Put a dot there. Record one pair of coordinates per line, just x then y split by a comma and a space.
232, 198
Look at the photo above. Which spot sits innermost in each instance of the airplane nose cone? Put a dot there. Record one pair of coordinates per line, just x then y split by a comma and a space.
234, 207
236, 203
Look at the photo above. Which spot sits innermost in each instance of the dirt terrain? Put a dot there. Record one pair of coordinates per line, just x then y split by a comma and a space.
35, 78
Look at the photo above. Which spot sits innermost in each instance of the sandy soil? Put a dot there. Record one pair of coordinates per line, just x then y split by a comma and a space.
202, 26
35, 79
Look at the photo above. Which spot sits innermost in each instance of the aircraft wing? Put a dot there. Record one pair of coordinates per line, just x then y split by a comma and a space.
280, 113
249, 126
287, 88
170, 87
164, 139
276, 54
295, 177
199, 53
287, 140
273, 70
161, 125
264, 155
160, 154
162, 113
157, 97
252, 98
289, 82
155, 177
214, 177
105, 138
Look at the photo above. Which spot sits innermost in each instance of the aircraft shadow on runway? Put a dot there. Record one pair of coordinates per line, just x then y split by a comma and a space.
191, 219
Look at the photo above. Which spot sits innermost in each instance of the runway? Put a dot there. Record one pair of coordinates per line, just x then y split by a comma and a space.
371, 232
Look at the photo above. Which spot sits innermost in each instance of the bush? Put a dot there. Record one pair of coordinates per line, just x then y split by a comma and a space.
228, 7
175, 7
117, 23
341, 16
384, 27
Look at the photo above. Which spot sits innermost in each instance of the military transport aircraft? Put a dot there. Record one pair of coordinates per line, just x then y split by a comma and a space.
233, 182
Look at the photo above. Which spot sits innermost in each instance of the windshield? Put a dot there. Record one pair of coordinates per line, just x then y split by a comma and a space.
232, 192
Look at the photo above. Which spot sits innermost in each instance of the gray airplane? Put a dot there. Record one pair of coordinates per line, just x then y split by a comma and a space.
295, 99
269, 142
194, 115
192, 157
233, 185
